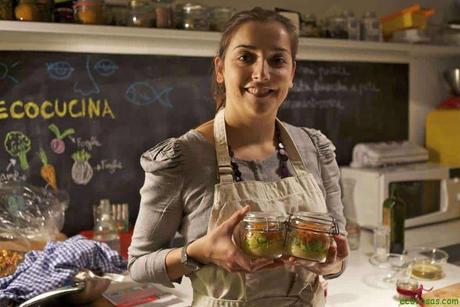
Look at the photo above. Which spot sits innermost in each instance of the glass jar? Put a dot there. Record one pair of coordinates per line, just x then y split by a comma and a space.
262, 234
309, 235
141, 14
89, 12
370, 29
194, 17
163, 13
116, 15
63, 12
219, 16
27, 10
308, 26
6, 10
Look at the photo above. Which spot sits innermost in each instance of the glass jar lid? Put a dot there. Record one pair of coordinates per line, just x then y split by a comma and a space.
314, 221
191, 7
266, 221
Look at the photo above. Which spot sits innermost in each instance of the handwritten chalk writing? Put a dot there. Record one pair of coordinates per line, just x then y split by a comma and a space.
339, 71
318, 87
313, 103
88, 144
74, 108
110, 165
12, 176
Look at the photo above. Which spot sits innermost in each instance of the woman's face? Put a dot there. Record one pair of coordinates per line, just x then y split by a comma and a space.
257, 69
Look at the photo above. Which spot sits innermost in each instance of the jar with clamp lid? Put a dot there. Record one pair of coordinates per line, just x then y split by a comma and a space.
89, 12
141, 14
309, 235
262, 234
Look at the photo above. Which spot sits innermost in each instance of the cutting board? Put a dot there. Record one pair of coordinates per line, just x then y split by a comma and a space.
449, 292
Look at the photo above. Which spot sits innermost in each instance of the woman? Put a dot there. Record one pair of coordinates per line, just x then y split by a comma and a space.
199, 184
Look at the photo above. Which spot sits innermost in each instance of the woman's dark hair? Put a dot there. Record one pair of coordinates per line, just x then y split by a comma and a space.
240, 18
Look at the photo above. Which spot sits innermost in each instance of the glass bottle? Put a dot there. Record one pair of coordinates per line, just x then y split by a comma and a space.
370, 30
141, 14
163, 13
394, 214
105, 229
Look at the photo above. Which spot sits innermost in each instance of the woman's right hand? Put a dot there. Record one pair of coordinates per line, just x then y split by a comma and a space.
219, 248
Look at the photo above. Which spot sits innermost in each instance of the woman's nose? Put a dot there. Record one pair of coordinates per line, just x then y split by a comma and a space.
261, 71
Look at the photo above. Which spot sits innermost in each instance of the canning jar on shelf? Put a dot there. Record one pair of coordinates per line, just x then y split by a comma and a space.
309, 235
141, 14
89, 12
163, 13
27, 10
193, 16
262, 234
218, 17
6, 10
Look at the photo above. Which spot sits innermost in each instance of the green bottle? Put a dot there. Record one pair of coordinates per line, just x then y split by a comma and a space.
394, 214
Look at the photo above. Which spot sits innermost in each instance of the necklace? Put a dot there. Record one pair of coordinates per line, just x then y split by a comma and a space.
282, 170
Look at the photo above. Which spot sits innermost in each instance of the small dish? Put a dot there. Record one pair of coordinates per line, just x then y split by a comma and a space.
427, 263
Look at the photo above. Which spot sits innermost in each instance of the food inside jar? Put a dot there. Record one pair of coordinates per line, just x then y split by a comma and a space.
308, 245
258, 243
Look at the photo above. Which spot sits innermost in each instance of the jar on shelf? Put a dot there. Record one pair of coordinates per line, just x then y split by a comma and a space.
309, 26
63, 12
309, 235
45, 7
27, 10
163, 13
194, 16
89, 12
141, 14
370, 29
218, 17
6, 10
262, 234
116, 15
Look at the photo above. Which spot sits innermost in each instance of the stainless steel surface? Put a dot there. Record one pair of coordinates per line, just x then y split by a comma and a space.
452, 77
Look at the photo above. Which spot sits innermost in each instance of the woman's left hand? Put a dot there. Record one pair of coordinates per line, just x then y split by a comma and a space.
338, 251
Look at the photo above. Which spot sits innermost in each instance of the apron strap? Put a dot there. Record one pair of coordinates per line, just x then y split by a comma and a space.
225, 173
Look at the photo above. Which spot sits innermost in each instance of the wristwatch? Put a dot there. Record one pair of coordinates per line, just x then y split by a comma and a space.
188, 262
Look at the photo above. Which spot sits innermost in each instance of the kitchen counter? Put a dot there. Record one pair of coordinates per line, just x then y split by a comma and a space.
353, 289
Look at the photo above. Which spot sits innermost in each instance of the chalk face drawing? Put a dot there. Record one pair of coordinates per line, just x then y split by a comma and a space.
59, 70
17, 144
57, 143
82, 171
62, 70
143, 94
5, 72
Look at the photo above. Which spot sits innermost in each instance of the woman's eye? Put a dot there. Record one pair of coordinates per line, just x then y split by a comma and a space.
244, 58
279, 60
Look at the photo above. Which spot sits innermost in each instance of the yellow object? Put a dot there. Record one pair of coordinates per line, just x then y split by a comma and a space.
27, 11
408, 18
443, 136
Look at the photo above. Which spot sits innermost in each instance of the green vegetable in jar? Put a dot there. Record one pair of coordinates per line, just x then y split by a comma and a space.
263, 244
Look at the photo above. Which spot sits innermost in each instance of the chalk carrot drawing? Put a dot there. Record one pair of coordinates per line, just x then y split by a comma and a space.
57, 144
47, 171
17, 144
81, 169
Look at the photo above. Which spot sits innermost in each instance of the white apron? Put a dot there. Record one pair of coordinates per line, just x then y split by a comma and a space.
281, 286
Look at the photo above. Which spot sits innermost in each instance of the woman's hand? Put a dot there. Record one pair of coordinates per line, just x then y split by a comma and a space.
219, 248
338, 251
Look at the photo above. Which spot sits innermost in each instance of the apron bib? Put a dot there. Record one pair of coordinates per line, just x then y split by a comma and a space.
281, 286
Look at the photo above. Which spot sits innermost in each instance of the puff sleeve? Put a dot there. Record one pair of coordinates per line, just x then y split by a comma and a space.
330, 175
160, 212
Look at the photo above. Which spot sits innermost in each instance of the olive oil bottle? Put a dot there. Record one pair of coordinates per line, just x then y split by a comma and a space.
394, 214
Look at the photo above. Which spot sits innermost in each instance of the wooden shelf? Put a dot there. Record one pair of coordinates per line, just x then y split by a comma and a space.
37, 36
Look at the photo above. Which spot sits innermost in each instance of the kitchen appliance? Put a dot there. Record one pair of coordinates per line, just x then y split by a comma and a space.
431, 193
386, 153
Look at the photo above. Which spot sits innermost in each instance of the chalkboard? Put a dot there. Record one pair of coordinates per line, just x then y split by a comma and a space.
92, 115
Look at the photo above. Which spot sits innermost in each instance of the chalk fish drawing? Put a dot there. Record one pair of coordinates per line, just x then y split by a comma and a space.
82, 172
57, 144
143, 94
5, 72
17, 144
59, 70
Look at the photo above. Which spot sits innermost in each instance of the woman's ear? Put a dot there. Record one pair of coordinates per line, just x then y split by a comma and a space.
219, 69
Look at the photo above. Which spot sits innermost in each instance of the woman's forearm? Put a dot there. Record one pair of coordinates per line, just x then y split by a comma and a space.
174, 266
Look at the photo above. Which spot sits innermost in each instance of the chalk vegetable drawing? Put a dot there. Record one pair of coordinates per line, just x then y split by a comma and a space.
17, 144
47, 171
57, 144
81, 169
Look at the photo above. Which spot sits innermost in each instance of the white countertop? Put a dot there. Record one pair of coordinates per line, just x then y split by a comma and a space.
353, 287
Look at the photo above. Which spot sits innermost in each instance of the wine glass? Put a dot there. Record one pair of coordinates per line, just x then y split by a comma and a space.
390, 267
